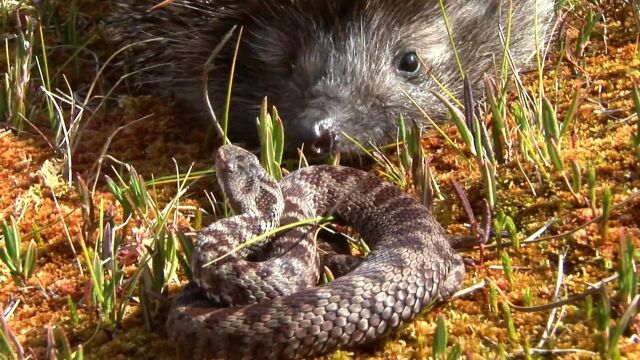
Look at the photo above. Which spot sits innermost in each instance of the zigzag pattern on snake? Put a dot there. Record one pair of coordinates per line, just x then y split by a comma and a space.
263, 302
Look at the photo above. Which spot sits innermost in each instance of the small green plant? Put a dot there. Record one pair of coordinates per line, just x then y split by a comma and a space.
588, 307
440, 343
528, 138
628, 280
158, 265
475, 135
591, 186
10, 347
271, 134
105, 273
155, 253
585, 33
184, 256
616, 332
603, 320
635, 138
570, 115
413, 160
526, 297
499, 127
576, 177
511, 328
552, 135
606, 213
502, 352
15, 94
506, 265
73, 311
627, 295
493, 297
21, 264
526, 349
409, 154
505, 222
58, 346
440, 339
610, 332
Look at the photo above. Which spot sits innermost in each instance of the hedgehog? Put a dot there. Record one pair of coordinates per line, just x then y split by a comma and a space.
337, 71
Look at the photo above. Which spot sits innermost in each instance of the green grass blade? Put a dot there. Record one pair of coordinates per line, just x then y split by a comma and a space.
30, 259
440, 338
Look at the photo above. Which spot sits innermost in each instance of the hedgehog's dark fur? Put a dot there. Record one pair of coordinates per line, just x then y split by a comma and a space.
329, 66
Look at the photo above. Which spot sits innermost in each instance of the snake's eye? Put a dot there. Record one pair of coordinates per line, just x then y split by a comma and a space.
409, 62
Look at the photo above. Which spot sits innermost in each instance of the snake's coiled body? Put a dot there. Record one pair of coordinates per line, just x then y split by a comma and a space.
411, 265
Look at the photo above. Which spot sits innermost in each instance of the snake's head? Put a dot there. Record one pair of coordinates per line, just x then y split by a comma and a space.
244, 181
234, 161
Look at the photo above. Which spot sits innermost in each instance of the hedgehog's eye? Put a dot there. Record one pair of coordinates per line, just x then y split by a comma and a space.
409, 62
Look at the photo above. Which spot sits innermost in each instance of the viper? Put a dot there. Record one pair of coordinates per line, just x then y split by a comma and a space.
263, 300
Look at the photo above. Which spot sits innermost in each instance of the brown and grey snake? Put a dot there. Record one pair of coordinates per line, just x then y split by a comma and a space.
263, 301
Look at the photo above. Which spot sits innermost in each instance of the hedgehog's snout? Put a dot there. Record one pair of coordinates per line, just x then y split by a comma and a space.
314, 133
323, 141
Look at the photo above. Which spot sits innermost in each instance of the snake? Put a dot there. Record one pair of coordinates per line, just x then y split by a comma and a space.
262, 299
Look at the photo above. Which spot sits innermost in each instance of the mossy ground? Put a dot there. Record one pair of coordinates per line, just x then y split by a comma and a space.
600, 134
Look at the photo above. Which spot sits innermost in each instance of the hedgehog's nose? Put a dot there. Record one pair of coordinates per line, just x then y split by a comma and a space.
316, 130
323, 142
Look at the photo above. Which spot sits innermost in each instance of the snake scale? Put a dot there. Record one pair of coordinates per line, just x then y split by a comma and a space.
262, 301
